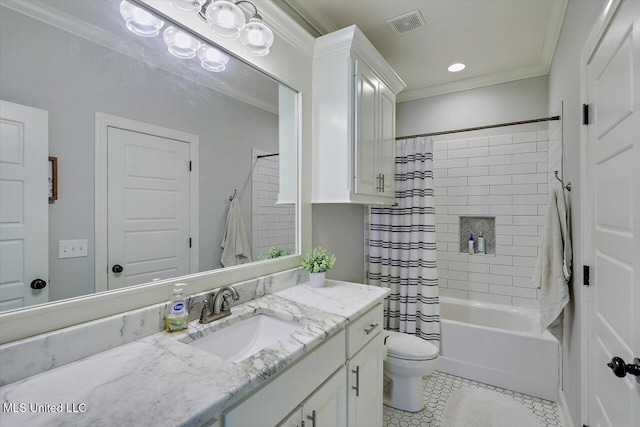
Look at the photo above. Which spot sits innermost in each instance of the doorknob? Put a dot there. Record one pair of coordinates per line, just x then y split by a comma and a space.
117, 268
38, 284
621, 369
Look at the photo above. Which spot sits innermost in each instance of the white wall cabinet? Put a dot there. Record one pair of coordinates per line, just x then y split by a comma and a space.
354, 96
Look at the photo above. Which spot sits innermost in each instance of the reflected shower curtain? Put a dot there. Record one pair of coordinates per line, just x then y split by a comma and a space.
402, 245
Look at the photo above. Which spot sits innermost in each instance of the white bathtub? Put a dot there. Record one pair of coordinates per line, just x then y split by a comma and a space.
499, 345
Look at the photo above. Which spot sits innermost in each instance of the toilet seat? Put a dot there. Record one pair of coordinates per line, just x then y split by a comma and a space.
409, 347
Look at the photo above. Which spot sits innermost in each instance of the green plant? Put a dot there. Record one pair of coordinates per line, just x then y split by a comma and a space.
318, 261
275, 252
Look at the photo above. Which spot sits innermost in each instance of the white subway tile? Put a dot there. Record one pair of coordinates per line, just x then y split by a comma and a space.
459, 266
490, 180
469, 191
446, 219
468, 152
440, 191
516, 250
543, 167
446, 237
442, 246
512, 189
512, 169
527, 241
439, 155
448, 182
490, 259
501, 140
512, 291
442, 228
506, 270
450, 200
440, 173
489, 298
469, 171
542, 146
477, 267
504, 240
452, 256
490, 160
530, 199
534, 178
453, 228
523, 272
469, 210
514, 209
490, 278
453, 246
450, 274
442, 282
524, 261
530, 158
523, 282
469, 286
504, 220
528, 220
517, 230
441, 210
457, 144
439, 146
491, 200
453, 293
542, 135
478, 142
450, 163
524, 137
528, 147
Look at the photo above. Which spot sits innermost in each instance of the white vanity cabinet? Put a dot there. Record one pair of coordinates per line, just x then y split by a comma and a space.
364, 400
354, 97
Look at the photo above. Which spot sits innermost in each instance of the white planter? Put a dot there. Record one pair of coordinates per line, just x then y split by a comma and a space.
316, 280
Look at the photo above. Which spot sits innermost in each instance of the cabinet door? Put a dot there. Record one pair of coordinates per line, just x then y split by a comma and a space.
387, 144
366, 130
365, 385
327, 405
293, 420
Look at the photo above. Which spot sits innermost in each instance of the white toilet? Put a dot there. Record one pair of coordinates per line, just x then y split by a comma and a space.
408, 359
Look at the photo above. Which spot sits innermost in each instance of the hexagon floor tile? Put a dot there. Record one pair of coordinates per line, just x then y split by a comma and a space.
436, 392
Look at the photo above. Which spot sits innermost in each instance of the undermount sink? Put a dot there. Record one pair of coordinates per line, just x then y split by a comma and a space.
247, 337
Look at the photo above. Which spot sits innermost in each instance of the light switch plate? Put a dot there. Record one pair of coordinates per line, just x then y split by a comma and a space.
72, 248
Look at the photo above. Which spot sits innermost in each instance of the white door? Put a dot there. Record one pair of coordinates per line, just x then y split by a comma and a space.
148, 207
367, 176
326, 407
365, 385
24, 205
387, 141
613, 78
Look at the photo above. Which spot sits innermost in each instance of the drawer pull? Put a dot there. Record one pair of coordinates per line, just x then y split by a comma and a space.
312, 418
357, 386
368, 331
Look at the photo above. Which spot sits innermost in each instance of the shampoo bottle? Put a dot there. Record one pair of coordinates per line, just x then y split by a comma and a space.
481, 249
471, 242
177, 316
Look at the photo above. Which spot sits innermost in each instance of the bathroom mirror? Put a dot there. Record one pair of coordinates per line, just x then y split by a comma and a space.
150, 147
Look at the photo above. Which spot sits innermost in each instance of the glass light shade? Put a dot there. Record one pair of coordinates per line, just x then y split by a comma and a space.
225, 18
212, 59
454, 68
256, 37
139, 21
187, 6
180, 44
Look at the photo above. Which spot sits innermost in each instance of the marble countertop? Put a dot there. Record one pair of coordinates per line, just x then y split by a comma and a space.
159, 380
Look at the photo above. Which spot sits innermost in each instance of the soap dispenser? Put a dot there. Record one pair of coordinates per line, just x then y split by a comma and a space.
177, 317
481, 244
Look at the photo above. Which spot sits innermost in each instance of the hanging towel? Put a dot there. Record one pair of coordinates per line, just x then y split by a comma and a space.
553, 268
235, 244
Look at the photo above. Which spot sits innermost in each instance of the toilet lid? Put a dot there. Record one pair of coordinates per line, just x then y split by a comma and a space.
410, 347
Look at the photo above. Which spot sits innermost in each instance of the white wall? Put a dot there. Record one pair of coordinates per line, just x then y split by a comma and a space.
84, 78
504, 177
564, 85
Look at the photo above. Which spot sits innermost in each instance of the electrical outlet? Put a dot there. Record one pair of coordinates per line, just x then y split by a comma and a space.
72, 248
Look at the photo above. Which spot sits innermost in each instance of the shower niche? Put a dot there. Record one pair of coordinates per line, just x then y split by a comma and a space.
476, 225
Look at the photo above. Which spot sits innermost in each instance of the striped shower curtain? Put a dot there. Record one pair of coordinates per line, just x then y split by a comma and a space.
402, 245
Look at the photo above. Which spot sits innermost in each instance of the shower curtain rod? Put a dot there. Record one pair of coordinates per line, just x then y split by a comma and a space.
499, 125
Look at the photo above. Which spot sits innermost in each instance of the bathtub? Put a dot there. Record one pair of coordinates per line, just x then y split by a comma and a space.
499, 345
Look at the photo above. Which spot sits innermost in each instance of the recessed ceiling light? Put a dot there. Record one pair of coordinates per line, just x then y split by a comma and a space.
454, 68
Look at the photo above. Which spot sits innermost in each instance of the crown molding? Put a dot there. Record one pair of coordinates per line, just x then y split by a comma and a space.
70, 24
473, 83
556, 19
315, 19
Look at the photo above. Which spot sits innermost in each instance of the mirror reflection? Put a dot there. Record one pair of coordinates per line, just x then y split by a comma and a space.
126, 159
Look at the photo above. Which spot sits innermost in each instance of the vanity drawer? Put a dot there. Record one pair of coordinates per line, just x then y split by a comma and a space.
363, 330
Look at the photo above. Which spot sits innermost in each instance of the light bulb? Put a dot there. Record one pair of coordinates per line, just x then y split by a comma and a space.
180, 44
212, 59
257, 37
225, 18
454, 68
187, 6
139, 21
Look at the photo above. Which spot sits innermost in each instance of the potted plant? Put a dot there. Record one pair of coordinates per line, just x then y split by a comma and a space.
317, 263
274, 252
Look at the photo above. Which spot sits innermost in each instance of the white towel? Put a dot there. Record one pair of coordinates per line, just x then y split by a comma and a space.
235, 244
553, 268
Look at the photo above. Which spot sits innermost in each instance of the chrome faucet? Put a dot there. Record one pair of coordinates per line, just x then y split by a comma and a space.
216, 305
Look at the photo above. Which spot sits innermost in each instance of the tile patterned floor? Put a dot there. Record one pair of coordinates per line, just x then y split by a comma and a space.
436, 391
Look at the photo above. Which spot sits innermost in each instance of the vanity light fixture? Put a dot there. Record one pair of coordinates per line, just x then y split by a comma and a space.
187, 6
212, 59
454, 68
180, 44
256, 37
139, 21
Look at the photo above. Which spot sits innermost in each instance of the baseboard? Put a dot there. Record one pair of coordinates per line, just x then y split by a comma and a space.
563, 409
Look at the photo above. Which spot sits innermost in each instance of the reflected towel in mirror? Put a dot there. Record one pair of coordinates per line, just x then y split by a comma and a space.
235, 244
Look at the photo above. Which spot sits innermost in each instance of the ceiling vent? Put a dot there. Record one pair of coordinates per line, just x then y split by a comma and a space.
407, 22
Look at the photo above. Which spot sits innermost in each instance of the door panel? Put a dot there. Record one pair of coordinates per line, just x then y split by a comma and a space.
387, 151
148, 203
328, 402
365, 408
24, 209
614, 203
366, 130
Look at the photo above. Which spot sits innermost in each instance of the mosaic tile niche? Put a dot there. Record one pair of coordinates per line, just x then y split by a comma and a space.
474, 225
